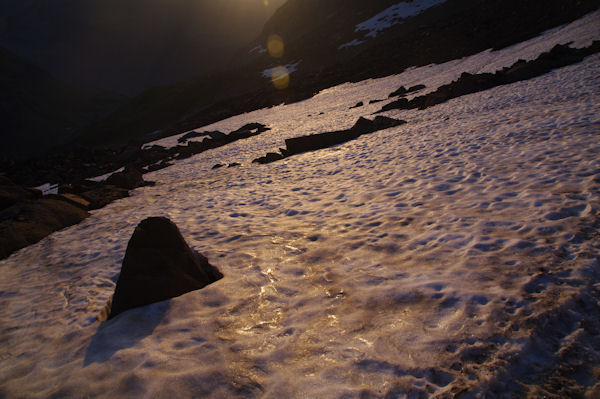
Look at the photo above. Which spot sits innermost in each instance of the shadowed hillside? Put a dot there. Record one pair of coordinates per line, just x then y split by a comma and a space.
129, 45
39, 112
316, 37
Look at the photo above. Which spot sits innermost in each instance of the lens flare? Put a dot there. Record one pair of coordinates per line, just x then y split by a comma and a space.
275, 46
280, 77
266, 3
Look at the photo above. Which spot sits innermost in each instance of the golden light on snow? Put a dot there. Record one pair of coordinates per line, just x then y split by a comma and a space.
280, 77
275, 46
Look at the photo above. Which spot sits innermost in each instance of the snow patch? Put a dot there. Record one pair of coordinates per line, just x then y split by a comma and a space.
48, 188
394, 15
290, 68
260, 49
354, 42
105, 176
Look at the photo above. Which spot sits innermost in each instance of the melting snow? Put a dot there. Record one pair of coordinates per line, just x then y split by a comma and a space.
410, 261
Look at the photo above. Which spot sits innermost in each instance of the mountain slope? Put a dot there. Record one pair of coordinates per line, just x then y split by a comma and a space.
433, 31
454, 256
39, 112
314, 34
130, 45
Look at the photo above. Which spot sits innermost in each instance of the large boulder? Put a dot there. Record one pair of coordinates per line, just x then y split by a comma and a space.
159, 265
28, 222
11, 194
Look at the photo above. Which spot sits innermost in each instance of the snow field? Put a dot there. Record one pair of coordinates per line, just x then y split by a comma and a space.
456, 252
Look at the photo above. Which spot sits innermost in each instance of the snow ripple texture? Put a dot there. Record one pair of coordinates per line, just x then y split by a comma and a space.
456, 253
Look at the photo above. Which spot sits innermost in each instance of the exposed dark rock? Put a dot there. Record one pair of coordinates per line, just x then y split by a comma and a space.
158, 166
375, 101
28, 222
78, 187
233, 164
130, 178
159, 265
103, 195
248, 130
216, 135
72, 199
416, 88
70, 169
317, 141
403, 91
11, 194
357, 105
253, 126
559, 56
270, 157
399, 92
312, 142
191, 135
129, 153
217, 166
363, 125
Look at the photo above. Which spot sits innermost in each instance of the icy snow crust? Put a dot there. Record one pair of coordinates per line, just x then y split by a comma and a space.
425, 259
394, 15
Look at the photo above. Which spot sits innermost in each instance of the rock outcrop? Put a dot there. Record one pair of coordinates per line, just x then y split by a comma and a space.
317, 141
467, 83
159, 265
130, 178
403, 91
27, 222
362, 126
11, 194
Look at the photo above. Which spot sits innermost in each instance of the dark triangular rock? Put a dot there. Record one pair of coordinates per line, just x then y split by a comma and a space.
159, 265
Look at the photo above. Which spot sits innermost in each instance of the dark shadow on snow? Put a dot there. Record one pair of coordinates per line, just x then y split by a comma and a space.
124, 331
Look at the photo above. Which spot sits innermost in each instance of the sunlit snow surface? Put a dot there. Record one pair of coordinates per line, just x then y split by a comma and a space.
419, 260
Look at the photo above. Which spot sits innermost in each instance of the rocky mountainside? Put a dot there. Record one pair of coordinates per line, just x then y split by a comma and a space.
129, 45
355, 39
324, 43
39, 112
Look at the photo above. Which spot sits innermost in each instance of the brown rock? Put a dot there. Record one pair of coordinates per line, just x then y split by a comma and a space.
75, 199
11, 194
130, 178
26, 223
104, 195
159, 265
